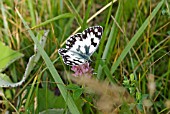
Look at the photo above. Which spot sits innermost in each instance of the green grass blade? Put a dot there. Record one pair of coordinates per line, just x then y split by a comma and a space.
103, 40
74, 11
7, 40
54, 73
136, 37
89, 5
30, 4
107, 72
66, 15
111, 40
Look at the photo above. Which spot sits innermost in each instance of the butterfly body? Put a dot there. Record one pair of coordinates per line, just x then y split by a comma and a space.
81, 46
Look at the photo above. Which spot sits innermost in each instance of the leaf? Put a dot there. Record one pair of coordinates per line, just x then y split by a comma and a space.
125, 108
4, 79
72, 87
8, 56
47, 100
32, 62
77, 93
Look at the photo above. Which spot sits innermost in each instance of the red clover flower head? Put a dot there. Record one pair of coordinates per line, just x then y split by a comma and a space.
82, 70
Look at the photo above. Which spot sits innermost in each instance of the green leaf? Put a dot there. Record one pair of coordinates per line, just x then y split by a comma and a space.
47, 100
125, 109
4, 80
8, 56
32, 62
72, 87
77, 93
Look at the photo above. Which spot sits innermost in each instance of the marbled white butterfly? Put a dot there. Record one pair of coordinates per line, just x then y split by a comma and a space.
81, 46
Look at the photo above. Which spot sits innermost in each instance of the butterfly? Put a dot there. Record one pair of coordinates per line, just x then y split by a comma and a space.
81, 46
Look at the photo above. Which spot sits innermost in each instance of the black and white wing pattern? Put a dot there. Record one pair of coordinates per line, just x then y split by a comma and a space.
81, 46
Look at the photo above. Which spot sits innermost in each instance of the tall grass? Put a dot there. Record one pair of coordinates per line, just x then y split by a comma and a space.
131, 65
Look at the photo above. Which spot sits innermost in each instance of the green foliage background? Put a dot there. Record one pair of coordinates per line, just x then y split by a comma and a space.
134, 54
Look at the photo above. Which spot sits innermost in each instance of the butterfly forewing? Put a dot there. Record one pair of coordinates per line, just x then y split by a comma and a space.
91, 38
81, 46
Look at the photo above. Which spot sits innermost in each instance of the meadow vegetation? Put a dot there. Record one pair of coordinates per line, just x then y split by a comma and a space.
131, 67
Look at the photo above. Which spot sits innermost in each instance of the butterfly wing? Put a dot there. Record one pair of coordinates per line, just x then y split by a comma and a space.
86, 42
81, 46
70, 57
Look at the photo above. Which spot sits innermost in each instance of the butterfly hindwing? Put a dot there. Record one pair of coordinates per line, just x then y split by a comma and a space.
71, 58
81, 46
